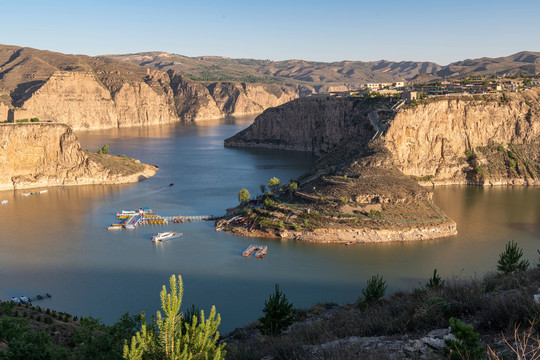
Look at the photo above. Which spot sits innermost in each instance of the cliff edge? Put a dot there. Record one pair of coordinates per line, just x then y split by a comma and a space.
48, 154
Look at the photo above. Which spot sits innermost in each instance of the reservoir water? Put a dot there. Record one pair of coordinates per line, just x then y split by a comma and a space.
57, 242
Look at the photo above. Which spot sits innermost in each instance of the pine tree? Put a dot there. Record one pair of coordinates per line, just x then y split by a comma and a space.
171, 337
277, 314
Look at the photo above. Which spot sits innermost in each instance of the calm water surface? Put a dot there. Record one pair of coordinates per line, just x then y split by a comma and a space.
57, 242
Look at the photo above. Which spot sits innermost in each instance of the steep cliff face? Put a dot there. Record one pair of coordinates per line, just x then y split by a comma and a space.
35, 154
439, 140
485, 139
100, 92
196, 101
315, 124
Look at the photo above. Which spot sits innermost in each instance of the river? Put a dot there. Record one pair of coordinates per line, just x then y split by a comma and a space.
57, 242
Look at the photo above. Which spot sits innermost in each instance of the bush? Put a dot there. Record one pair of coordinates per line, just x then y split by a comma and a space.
468, 154
277, 314
466, 345
48, 320
34, 120
509, 260
273, 184
375, 289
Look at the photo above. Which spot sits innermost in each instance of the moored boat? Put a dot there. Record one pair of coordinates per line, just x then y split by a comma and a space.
115, 227
15, 300
4, 201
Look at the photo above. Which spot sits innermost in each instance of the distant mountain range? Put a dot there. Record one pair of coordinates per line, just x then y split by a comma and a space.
350, 74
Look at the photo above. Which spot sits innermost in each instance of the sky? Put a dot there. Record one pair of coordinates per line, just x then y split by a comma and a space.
333, 30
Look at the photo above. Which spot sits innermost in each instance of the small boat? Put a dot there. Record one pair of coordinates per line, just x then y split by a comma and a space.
171, 184
350, 242
15, 300
26, 194
24, 299
48, 295
4, 201
43, 191
126, 213
39, 297
164, 236
115, 227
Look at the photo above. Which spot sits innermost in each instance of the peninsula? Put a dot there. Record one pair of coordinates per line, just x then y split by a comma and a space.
49, 154
376, 151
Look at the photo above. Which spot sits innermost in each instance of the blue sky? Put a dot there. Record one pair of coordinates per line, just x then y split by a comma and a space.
333, 30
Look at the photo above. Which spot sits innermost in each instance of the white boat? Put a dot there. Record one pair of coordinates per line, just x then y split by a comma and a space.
24, 299
115, 227
15, 300
26, 194
4, 201
164, 236
43, 191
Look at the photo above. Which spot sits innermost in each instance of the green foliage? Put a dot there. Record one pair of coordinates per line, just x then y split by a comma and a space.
435, 282
375, 289
479, 169
293, 186
262, 187
374, 213
510, 260
268, 202
273, 184
33, 346
501, 148
243, 196
466, 345
511, 155
170, 337
11, 328
34, 120
468, 154
512, 163
277, 314
105, 149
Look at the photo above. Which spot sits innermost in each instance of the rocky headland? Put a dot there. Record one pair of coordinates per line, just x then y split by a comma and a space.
48, 154
374, 153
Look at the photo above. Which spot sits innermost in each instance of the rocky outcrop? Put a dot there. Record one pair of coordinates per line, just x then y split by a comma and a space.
36, 154
196, 101
438, 140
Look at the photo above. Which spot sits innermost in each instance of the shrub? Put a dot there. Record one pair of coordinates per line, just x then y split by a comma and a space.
375, 289
509, 260
48, 320
512, 163
105, 149
511, 155
277, 314
500, 148
468, 154
435, 282
34, 120
273, 184
466, 345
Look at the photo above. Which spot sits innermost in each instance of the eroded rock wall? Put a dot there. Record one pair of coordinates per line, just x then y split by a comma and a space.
314, 124
48, 154
431, 139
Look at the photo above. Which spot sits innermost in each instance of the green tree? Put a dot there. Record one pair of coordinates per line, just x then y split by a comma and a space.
277, 314
171, 337
375, 289
273, 184
263, 189
466, 345
435, 282
293, 186
243, 196
105, 149
510, 260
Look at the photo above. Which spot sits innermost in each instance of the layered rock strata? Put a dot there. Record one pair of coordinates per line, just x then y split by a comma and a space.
35, 155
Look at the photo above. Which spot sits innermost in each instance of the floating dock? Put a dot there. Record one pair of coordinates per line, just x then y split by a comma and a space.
260, 251
130, 219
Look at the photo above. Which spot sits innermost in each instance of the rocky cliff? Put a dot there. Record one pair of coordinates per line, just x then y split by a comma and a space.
447, 140
100, 92
481, 139
35, 154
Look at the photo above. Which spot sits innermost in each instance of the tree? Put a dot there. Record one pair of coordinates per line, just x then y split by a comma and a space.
243, 196
466, 345
277, 314
105, 149
263, 189
172, 337
509, 260
273, 184
293, 186
436, 282
375, 289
